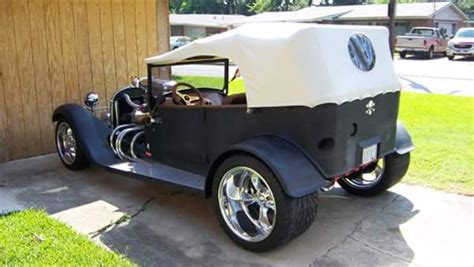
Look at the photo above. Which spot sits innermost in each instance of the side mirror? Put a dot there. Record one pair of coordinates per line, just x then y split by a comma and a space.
451, 36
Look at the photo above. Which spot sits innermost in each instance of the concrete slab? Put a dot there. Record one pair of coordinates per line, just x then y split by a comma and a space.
8, 203
90, 218
409, 225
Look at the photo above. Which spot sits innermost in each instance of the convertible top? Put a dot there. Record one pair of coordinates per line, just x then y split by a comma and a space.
295, 64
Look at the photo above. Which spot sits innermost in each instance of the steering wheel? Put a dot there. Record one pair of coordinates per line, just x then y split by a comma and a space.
186, 99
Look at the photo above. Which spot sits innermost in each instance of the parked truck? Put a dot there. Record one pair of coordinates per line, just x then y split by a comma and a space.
422, 41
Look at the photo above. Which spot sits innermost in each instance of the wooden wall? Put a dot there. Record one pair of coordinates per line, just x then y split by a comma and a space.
55, 51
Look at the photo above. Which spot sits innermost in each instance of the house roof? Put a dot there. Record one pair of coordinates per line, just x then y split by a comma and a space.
310, 14
354, 12
403, 11
204, 20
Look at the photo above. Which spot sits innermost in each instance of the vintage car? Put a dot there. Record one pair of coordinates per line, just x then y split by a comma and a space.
320, 107
462, 44
422, 41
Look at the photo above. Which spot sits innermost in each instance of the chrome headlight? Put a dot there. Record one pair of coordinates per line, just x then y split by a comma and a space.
91, 100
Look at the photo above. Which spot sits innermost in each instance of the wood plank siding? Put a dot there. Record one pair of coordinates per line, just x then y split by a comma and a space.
55, 51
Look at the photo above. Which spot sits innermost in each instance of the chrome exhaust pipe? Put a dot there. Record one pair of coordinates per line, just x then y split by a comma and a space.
132, 144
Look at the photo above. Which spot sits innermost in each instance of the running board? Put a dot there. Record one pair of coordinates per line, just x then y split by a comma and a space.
162, 173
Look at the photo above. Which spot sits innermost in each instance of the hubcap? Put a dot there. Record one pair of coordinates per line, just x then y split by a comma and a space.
247, 204
66, 143
367, 179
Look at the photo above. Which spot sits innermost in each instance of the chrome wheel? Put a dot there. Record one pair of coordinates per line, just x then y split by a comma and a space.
367, 179
247, 204
66, 143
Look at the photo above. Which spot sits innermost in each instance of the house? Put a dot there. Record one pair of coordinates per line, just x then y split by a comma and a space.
200, 25
444, 15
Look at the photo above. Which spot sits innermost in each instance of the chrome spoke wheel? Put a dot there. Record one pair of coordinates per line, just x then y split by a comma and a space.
247, 204
66, 143
367, 179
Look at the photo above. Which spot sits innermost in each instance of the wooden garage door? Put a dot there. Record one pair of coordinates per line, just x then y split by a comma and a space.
55, 51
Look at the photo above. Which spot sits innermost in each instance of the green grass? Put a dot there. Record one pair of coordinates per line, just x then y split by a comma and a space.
32, 238
235, 87
442, 128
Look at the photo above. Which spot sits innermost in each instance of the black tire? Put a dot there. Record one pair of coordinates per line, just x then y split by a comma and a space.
395, 168
451, 57
403, 54
430, 53
80, 161
294, 215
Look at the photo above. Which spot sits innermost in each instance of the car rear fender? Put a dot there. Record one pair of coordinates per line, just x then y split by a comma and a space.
403, 142
297, 175
90, 132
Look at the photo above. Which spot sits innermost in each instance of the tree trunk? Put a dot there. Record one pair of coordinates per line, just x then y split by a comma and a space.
391, 24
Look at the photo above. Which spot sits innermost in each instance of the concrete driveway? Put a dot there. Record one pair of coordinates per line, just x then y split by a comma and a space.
409, 225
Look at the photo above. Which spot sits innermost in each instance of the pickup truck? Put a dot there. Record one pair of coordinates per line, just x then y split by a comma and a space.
422, 41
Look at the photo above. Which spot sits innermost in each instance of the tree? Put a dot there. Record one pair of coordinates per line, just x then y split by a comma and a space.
259, 6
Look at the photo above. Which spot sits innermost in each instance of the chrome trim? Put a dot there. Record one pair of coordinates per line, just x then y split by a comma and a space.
247, 204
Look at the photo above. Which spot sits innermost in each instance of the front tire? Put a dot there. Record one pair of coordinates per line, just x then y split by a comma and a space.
403, 54
388, 171
451, 57
252, 208
68, 147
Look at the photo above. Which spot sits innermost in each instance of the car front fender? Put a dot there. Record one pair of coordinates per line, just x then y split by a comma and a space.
403, 142
91, 133
296, 173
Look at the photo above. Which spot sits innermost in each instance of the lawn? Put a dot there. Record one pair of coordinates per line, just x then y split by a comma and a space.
32, 238
442, 128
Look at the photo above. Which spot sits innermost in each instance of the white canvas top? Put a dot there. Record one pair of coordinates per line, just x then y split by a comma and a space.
297, 64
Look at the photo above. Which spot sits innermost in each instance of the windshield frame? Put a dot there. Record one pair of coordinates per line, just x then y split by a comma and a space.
225, 61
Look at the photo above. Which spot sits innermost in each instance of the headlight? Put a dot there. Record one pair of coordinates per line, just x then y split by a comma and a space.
450, 44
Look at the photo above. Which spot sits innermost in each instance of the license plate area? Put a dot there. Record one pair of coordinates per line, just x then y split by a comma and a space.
369, 153
368, 150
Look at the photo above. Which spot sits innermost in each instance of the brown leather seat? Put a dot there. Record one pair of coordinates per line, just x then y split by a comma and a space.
237, 99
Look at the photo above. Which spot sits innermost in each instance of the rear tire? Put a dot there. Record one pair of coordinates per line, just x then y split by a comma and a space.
430, 53
290, 218
68, 147
395, 167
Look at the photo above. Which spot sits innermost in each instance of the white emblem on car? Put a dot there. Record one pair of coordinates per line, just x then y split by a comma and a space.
370, 108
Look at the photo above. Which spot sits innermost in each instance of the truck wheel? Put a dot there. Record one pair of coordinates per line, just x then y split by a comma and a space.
252, 208
451, 57
383, 175
430, 53
403, 54
67, 145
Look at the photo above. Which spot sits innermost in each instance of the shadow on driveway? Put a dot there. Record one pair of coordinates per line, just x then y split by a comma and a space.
172, 228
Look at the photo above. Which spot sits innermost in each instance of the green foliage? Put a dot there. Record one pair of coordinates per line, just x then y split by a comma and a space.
464, 5
32, 238
245, 7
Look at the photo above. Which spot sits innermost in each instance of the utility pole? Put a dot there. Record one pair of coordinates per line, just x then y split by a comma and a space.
391, 24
